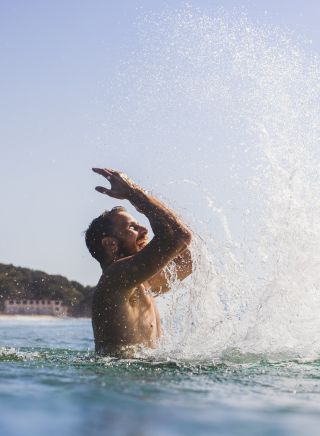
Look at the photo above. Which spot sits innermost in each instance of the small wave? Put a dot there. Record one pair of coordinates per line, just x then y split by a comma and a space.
29, 318
13, 354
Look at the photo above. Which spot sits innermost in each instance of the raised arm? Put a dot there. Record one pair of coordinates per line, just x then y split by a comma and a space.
171, 235
182, 265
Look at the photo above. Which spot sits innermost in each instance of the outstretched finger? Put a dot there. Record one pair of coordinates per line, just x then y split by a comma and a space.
102, 190
113, 172
109, 192
103, 172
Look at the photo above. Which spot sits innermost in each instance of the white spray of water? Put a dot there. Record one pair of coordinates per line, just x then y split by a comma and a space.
226, 115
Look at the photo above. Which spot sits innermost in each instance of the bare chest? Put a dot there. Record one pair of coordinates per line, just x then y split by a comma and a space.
133, 319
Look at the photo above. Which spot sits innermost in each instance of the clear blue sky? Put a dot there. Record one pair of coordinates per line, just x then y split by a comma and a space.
58, 60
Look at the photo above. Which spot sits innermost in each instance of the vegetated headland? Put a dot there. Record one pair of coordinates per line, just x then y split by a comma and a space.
26, 284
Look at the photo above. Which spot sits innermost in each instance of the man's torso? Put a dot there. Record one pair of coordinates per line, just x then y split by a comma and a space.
123, 319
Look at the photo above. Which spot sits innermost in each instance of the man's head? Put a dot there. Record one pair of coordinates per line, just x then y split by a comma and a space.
115, 234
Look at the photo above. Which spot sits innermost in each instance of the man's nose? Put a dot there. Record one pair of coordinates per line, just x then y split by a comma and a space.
143, 231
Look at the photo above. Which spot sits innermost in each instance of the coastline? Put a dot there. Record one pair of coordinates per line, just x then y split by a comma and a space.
7, 317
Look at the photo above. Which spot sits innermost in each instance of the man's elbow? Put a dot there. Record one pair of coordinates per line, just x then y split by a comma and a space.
185, 238
188, 237
180, 239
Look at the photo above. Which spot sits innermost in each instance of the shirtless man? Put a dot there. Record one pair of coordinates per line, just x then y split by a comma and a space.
124, 312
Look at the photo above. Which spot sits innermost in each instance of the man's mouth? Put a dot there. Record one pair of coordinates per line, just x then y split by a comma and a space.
142, 242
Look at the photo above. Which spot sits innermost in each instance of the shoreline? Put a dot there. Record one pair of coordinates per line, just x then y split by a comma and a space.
6, 316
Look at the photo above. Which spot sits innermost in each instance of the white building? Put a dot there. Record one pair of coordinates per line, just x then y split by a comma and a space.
35, 307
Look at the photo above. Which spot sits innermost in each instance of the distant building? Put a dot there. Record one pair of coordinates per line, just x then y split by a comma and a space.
35, 307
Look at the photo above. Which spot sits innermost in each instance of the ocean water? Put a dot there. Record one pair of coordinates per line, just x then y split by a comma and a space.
52, 383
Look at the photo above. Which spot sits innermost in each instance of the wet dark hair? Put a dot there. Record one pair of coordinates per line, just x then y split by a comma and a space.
99, 228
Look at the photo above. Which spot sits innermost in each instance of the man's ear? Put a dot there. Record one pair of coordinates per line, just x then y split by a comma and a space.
110, 246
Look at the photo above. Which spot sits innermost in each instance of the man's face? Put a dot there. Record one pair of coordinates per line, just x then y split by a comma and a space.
131, 236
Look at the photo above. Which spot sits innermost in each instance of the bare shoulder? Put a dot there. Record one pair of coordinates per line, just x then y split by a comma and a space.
112, 283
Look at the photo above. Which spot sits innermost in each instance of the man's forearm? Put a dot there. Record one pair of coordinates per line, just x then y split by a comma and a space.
164, 222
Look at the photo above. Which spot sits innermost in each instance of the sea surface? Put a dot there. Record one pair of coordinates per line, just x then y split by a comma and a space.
52, 383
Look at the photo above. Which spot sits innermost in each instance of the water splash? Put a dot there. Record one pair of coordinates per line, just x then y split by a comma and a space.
231, 109
8, 354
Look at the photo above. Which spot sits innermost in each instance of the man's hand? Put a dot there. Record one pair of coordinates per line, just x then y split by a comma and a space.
121, 185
